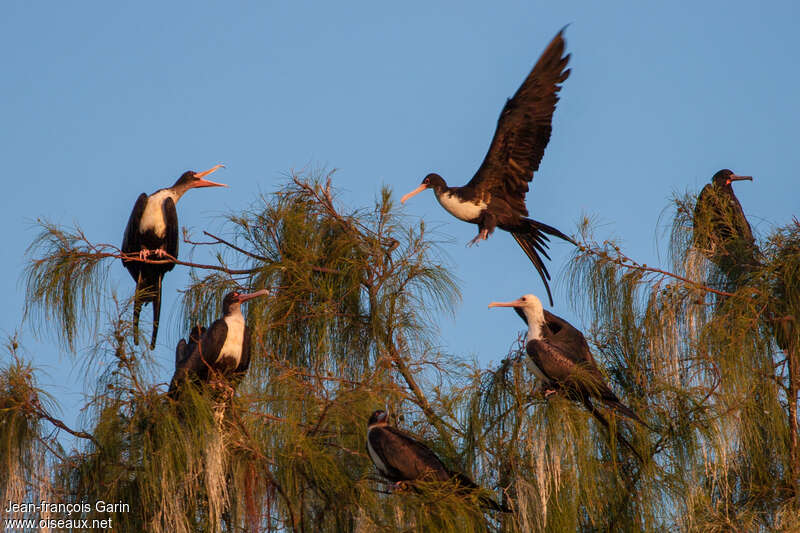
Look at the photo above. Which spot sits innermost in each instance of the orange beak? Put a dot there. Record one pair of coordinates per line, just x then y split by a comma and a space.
244, 297
412, 193
207, 183
515, 303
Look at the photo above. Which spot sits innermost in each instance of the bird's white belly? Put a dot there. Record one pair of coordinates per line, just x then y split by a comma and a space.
466, 211
375, 457
153, 216
233, 342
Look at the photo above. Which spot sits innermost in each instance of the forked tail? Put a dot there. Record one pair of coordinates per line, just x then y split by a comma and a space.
531, 236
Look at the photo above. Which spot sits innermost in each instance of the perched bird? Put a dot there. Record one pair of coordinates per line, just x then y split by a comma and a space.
560, 357
721, 230
401, 458
495, 196
223, 349
152, 230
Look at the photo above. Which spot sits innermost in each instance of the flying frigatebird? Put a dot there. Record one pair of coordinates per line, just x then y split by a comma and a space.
559, 356
223, 349
401, 458
495, 196
721, 230
152, 230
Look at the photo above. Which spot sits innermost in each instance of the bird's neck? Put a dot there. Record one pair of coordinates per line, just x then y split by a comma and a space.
176, 191
535, 328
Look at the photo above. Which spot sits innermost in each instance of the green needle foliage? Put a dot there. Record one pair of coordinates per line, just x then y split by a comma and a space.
350, 326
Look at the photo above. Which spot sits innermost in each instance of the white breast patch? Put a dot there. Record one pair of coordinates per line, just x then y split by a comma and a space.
466, 211
153, 216
375, 457
233, 342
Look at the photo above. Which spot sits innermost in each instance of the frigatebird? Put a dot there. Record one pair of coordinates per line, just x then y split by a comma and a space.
495, 196
401, 459
721, 230
559, 356
223, 349
152, 230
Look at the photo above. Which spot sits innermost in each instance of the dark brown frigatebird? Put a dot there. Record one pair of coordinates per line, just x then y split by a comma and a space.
223, 349
152, 230
401, 458
495, 196
721, 230
559, 356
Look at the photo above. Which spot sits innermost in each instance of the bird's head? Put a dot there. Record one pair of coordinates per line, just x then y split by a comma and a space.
233, 300
528, 307
725, 177
431, 181
378, 418
191, 179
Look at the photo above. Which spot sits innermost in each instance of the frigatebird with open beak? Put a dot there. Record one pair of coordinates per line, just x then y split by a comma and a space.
152, 233
401, 458
559, 356
721, 230
221, 350
495, 196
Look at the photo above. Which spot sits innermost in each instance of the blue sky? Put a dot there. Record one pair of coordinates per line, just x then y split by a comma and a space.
102, 101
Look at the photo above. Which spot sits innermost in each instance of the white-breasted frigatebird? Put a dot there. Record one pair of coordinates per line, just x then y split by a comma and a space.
152, 230
560, 357
223, 349
495, 196
721, 230
401, 458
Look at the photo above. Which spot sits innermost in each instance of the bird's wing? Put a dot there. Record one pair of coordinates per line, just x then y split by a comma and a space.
523, 130
568, 339
408, 456
212, 341
171, 221
131, 241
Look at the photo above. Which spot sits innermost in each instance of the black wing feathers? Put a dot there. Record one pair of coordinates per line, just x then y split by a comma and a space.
171, 221
523, 130
131, 240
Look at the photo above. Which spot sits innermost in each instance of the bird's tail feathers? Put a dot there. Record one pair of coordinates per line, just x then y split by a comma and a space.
487, 502
532, 238
600, 418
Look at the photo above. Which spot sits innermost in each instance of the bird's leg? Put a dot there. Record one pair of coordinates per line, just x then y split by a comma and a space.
481, 236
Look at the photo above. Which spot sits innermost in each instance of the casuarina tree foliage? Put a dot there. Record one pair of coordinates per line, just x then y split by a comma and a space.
350, 327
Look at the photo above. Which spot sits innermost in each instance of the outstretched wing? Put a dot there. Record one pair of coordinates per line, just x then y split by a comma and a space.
131, 239
523, 130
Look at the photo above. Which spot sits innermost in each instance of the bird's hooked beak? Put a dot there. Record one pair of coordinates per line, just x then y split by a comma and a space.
516, 303
414, 192
207, 183
244, 297
734, 177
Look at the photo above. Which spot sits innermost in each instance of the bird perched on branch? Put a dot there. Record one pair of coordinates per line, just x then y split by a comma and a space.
223, 349
401, 458
152, 233
559, 356
495, 196
721, 230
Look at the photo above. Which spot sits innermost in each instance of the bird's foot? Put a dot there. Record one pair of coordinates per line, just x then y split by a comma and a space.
399, 486
549, 392
158, 252
143, 254
481, 236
